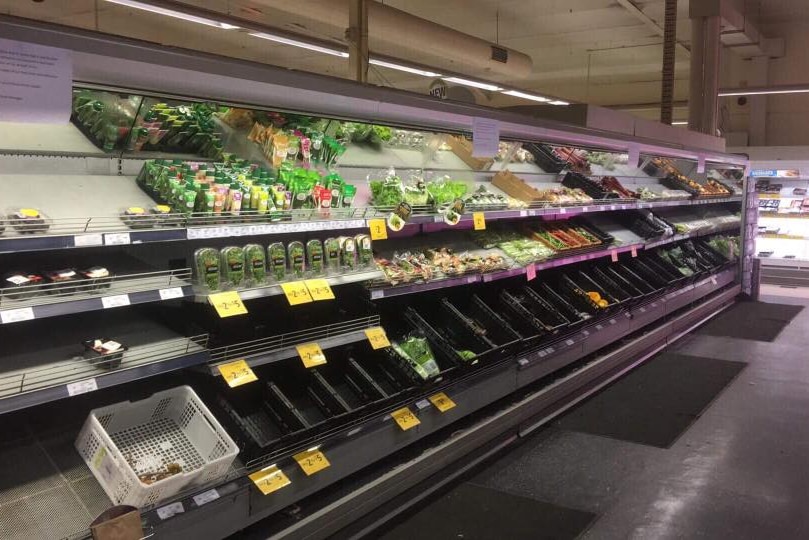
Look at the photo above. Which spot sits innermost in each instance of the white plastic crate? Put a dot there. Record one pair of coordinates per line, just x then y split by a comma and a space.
121, 441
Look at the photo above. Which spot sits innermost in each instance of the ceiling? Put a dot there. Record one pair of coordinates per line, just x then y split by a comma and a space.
595, 51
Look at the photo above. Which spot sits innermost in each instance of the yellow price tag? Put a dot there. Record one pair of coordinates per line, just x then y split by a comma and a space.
296, 293
377, 337
379, 229
227, 304
237, 373
269, 479
319, 289
442, 402
311, 354
479, 220
312, 461
405, 418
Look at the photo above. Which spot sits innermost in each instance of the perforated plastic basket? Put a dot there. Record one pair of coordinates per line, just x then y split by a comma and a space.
122, 441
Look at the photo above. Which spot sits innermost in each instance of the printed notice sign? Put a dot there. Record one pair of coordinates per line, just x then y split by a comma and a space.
485, 137
35, 83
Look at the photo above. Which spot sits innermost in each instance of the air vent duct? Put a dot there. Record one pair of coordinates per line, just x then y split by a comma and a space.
499, 54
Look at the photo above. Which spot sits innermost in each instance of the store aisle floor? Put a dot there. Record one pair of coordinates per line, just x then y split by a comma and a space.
738, 470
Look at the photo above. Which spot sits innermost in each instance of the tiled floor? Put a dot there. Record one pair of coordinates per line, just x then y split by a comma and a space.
740, 471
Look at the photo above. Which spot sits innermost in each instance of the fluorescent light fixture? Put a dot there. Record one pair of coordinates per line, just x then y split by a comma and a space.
301, 44
559, 102
406, 69
681, 123
764, 91
523, 95
473, 84
175, 14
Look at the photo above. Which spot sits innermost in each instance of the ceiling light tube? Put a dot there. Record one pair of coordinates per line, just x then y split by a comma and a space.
300, 44
406, 69
764, 90
176, 14
474, 84
681, 123
559, 102
523, 95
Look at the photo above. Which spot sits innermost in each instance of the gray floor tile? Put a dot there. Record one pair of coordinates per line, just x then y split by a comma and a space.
571, 469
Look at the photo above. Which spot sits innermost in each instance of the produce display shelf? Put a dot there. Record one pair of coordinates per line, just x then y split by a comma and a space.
275, 289
725, 227
45, 139
107, 293
65, 230
33, 381
276, 348
378, 436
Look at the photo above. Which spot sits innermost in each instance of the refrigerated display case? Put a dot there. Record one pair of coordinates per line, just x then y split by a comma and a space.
782, 236
332, 274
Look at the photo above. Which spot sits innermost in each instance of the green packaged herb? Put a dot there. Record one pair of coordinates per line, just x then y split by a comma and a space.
417, 353
297, 258
331, 254
314, 257
206, 264
365, 254
255, 263
232, 265
348, 253
277, 261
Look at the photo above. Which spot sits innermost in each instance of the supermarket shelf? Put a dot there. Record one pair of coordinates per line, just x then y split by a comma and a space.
274, 349
773, 236
275, 289
44, 382
399, 290
53, 300
378, 437
780, 262
728, 227
45, 139
777, 215
66, 231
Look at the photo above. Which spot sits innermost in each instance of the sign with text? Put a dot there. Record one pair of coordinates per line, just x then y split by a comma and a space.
36, 83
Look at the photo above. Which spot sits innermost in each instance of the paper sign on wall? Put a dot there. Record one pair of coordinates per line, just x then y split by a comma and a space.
35, 83
485, 137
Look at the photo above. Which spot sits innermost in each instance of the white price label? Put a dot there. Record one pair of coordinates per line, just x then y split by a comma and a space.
585, 209
570, 342
16, 315
422, 404
523, 213
117, 239
376, 295
206, 497
563, 210
82, 387
118, 300
87, 240
174, 292
170, 510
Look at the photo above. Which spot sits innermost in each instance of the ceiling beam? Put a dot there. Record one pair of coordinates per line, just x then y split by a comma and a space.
636, 12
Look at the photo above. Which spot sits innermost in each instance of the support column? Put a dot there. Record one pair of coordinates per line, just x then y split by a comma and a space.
704, 84
669, 56
357, 37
